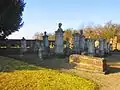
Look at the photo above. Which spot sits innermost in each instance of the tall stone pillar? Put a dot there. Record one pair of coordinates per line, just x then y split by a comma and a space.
46, 43
45, 40
59, 41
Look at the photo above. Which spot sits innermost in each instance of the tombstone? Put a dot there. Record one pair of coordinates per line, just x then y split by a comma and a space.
40, 53
97, 47
101, 47
36, 46
76, 43
81, 41
46, 43
86, 45
23, 46
91, 47
59, 46
67, 49
108, 47
105, 47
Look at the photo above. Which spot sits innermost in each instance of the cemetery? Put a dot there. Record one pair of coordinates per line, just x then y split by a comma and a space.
85, 51
87, 55
39, 53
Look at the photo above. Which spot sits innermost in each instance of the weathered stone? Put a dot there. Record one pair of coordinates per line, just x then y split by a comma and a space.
82, 43
59, 46
40, 53
36, 45
23, 46
46, 44
101, 47
76, 44
91, 47
93, 64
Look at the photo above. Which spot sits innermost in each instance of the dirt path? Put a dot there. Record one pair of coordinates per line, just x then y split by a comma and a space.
105, 82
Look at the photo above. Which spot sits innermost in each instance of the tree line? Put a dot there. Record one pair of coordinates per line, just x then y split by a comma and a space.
107, 31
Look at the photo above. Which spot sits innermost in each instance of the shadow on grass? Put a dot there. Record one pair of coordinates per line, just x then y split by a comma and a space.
32, 62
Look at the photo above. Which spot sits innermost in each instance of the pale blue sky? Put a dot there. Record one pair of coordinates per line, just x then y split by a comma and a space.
44, 15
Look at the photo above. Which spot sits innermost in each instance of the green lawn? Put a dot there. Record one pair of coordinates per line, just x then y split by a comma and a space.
17, 75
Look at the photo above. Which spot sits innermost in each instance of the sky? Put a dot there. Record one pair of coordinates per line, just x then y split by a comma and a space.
44, 15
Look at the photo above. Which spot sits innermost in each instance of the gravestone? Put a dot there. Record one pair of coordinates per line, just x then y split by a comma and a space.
105, 46
67, 49
101, 46
76, 43
81, 41
23, 46
59, 46
91, 47
36, 45
46, 44
40, 53
86, 46
97, 47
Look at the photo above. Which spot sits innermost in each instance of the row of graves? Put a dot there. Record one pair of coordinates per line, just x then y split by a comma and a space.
86, 54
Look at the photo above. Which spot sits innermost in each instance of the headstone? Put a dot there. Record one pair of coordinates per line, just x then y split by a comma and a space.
36, 45
46, 43
81, 41
86, 45
23, 46
67, 49
97, 47
76, 43
101, 47
59, 46
40, 53
91, 47
108, 48
105, 46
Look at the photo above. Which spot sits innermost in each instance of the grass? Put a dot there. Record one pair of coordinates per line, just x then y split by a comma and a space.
23, 76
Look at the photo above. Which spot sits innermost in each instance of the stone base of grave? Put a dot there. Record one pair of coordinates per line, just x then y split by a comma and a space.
88, 63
